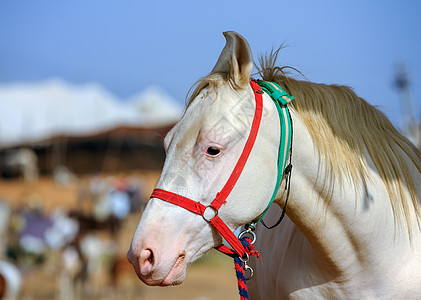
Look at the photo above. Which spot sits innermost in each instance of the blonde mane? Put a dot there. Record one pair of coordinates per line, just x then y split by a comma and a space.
344, 127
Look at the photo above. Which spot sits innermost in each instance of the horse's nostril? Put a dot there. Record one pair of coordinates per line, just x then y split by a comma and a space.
146, 261
151, 257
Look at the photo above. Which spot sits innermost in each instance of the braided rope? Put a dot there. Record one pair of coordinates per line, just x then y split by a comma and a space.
239, 267
242, 285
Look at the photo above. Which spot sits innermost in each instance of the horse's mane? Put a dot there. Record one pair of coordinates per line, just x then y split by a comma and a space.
343, 127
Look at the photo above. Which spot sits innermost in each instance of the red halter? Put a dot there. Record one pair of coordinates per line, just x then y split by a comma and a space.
221, 197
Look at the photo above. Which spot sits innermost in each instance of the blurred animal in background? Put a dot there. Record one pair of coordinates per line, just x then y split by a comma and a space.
99, 254
5, 213
72, 268
21, 162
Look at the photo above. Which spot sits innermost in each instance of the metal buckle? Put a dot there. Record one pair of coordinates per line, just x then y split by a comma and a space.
213, 211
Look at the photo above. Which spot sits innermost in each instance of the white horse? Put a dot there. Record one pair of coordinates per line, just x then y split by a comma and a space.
352, 229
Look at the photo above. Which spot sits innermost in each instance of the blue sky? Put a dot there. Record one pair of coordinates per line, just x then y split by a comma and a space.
130, 45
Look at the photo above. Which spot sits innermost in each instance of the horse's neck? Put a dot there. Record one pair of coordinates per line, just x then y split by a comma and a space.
348, 231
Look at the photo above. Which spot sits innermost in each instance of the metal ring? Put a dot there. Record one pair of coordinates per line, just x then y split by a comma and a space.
215, 213
253, 235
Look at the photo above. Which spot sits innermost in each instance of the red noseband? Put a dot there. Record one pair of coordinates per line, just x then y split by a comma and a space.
221, 197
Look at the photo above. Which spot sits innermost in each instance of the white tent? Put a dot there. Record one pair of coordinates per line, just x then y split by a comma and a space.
35, 111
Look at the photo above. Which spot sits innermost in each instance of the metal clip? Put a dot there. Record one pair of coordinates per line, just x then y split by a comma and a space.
250, 269
246, 267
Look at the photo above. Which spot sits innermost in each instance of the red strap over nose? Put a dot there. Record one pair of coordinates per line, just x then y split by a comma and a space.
221, 197
193, 206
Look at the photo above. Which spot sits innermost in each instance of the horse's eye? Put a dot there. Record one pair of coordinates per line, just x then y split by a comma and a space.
213, 151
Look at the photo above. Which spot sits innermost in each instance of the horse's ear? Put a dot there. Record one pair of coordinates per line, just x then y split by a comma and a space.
236, 59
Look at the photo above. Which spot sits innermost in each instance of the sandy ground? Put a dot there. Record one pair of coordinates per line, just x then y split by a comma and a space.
212, 277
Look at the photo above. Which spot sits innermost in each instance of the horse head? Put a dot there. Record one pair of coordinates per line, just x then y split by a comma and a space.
202, 151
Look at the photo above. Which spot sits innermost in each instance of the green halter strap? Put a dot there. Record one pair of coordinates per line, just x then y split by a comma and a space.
281, 99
